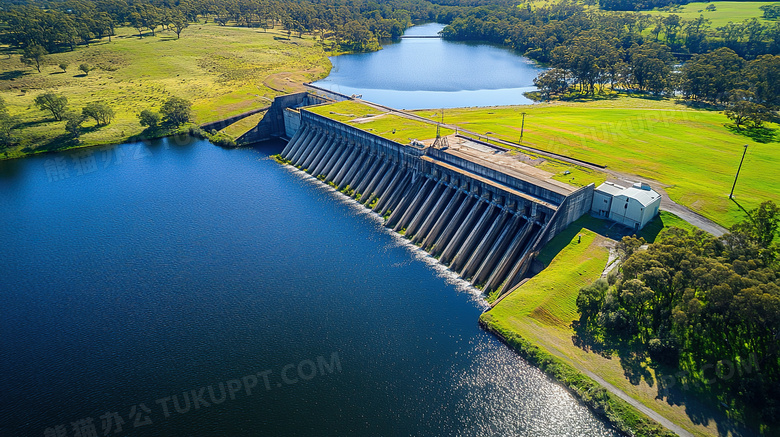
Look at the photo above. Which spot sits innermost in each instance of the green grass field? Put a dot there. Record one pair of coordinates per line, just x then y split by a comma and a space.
223, 70
541, 311
689, 151
724, 12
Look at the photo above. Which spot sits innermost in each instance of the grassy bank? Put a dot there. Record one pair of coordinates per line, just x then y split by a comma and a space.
536, 320
223, 70
691, 151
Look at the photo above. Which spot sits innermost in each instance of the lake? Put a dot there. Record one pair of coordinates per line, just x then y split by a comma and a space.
174, 288
418, 73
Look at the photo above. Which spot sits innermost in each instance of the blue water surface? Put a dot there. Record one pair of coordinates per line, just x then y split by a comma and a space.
418, 73
142, 274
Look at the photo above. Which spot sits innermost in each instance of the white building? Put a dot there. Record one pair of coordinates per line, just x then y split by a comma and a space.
632, 207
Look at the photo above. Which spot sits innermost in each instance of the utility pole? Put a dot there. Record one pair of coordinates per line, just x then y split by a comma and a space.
738, 169
522, 127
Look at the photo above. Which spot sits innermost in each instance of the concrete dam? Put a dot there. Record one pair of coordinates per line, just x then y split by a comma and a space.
480, 212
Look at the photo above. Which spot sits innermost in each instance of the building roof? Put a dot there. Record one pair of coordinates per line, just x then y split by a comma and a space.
645, 197
610, 188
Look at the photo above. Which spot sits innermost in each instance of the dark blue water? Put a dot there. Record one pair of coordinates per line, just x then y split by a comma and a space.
433, 73
136, 274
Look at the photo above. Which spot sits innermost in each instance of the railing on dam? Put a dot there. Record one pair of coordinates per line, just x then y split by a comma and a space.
482, 224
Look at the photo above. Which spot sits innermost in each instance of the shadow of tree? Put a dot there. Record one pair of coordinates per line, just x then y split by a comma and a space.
761, 134
11, 75
699, 105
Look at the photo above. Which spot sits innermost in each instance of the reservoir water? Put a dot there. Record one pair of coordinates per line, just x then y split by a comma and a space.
418, 73
241, 298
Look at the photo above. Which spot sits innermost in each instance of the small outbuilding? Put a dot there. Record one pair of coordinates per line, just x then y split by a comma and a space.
634, 206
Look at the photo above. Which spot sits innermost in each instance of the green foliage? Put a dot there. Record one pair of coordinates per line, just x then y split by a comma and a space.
73, 122
217, 138
743, 110
179, 23
712, 76
771, 12
63, 66
34, 56
692, 299
149, 118
85, 68
176, 111
7, 123
551, 82
99, 111
54, 103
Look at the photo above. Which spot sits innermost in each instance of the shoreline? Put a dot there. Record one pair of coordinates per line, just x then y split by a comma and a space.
615, 411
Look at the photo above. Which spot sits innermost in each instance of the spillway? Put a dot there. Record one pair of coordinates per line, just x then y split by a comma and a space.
482, 215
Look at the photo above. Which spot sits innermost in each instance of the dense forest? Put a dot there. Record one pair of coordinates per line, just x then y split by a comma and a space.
706, 309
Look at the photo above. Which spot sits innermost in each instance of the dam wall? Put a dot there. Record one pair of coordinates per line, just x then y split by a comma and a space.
274, 123
482, 223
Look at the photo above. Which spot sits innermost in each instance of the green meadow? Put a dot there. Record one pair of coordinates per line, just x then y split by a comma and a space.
724, 12
223, 70
690, 152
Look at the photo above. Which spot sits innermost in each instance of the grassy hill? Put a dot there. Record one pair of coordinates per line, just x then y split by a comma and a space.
223, 70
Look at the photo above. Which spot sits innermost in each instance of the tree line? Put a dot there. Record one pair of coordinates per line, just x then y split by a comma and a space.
356, 25
536, 30
706, 309
750, 90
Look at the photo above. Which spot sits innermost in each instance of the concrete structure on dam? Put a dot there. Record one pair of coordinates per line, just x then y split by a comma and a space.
482, 213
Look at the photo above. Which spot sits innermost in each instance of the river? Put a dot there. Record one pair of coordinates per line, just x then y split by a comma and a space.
178, 289
418, 73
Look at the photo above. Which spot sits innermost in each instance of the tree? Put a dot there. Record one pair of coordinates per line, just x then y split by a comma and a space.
64, 66
552, 81
101, 112
34, 56
771, 12
744, 110
73, 122
56, 104
138, 23
149, 118
762, 225
7, 122
763, 75
176, 111
85, 68
713, 75
179, 23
